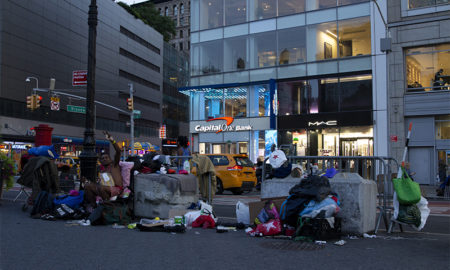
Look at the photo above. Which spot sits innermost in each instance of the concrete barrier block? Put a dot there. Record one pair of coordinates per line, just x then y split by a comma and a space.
358, 198
157, 194
278, 187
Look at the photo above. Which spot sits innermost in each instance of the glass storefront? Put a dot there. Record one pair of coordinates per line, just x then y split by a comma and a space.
340, 141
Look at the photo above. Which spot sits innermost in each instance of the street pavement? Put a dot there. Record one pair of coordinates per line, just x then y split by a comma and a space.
37, 244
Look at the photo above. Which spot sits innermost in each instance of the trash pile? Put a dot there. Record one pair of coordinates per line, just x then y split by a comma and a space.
308, 214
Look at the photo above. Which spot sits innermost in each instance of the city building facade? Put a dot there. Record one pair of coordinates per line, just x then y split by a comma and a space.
49, 39
179, 11
419, 79
306, 74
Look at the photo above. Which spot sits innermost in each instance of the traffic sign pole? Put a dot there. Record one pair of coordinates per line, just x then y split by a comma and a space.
131, 121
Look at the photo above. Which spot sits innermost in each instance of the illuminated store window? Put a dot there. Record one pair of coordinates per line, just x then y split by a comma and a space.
211, 14
214, 103
442, 124
263, 100
425, 3
322, 41
354, 37
356, 141
288, 7
292, 46
263, 52
428, 68
235, 12
236, 102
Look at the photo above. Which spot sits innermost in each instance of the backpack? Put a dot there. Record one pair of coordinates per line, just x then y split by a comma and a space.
291, 207
116, 212
43, 204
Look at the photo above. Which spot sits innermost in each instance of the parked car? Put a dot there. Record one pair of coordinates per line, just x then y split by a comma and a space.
234, 172
71, 164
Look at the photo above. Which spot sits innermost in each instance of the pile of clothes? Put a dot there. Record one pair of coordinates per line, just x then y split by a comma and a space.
310, 209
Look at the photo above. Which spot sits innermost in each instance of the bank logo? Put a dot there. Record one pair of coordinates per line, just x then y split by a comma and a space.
228, 119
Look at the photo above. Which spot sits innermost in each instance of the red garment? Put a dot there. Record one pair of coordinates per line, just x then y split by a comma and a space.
205, 221
145, 170
171, 171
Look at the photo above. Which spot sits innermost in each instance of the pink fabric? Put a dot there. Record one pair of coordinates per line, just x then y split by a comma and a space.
125, 170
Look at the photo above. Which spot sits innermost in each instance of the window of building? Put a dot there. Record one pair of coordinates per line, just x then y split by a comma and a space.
263, 94
211, 57
181, 21
211, 14
328, 95
322, 41
181, 46
263, 52
236, 102
160, 11
181, 9
263, 9
175, 10
181, 33
213, 103
425, 3
349, 2
356, 93
235, 11
166, 11
442, 124
294, 99
235, 54
290, 7
428, 68
325, 95
292, 46
354, 37
320, 4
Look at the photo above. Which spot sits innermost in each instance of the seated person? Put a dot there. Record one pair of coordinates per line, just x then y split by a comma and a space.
109, 170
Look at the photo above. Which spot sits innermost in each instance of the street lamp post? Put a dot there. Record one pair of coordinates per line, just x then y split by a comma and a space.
28, 79
88, 156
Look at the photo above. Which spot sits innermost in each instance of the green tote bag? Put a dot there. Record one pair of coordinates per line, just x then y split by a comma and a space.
408, 191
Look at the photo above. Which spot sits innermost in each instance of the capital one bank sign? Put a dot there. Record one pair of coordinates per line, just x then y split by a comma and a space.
222, 127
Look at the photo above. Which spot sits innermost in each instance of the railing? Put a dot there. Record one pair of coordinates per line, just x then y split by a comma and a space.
379, 169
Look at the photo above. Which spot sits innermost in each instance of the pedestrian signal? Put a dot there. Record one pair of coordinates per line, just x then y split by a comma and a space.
30, 103
130, 104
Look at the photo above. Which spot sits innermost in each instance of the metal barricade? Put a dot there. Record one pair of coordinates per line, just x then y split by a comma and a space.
379, 169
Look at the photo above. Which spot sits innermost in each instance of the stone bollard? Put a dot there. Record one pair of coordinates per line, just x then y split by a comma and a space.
358, 198
157, 194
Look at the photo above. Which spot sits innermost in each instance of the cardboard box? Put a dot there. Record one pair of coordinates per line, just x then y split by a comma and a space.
255, 207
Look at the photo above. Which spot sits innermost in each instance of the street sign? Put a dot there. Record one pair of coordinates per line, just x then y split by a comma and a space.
79, 78
136, 114
54, 103
76, 109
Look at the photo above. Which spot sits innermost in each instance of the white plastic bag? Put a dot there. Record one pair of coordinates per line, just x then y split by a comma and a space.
187, 166
206, 209
242, 213
423, 207
277, 158
190, 217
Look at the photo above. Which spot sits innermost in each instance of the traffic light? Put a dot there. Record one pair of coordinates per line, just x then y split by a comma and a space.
37, 101
130, 104
30, 103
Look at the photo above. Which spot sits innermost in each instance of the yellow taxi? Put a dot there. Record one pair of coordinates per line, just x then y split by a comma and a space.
68, 163
234, 172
